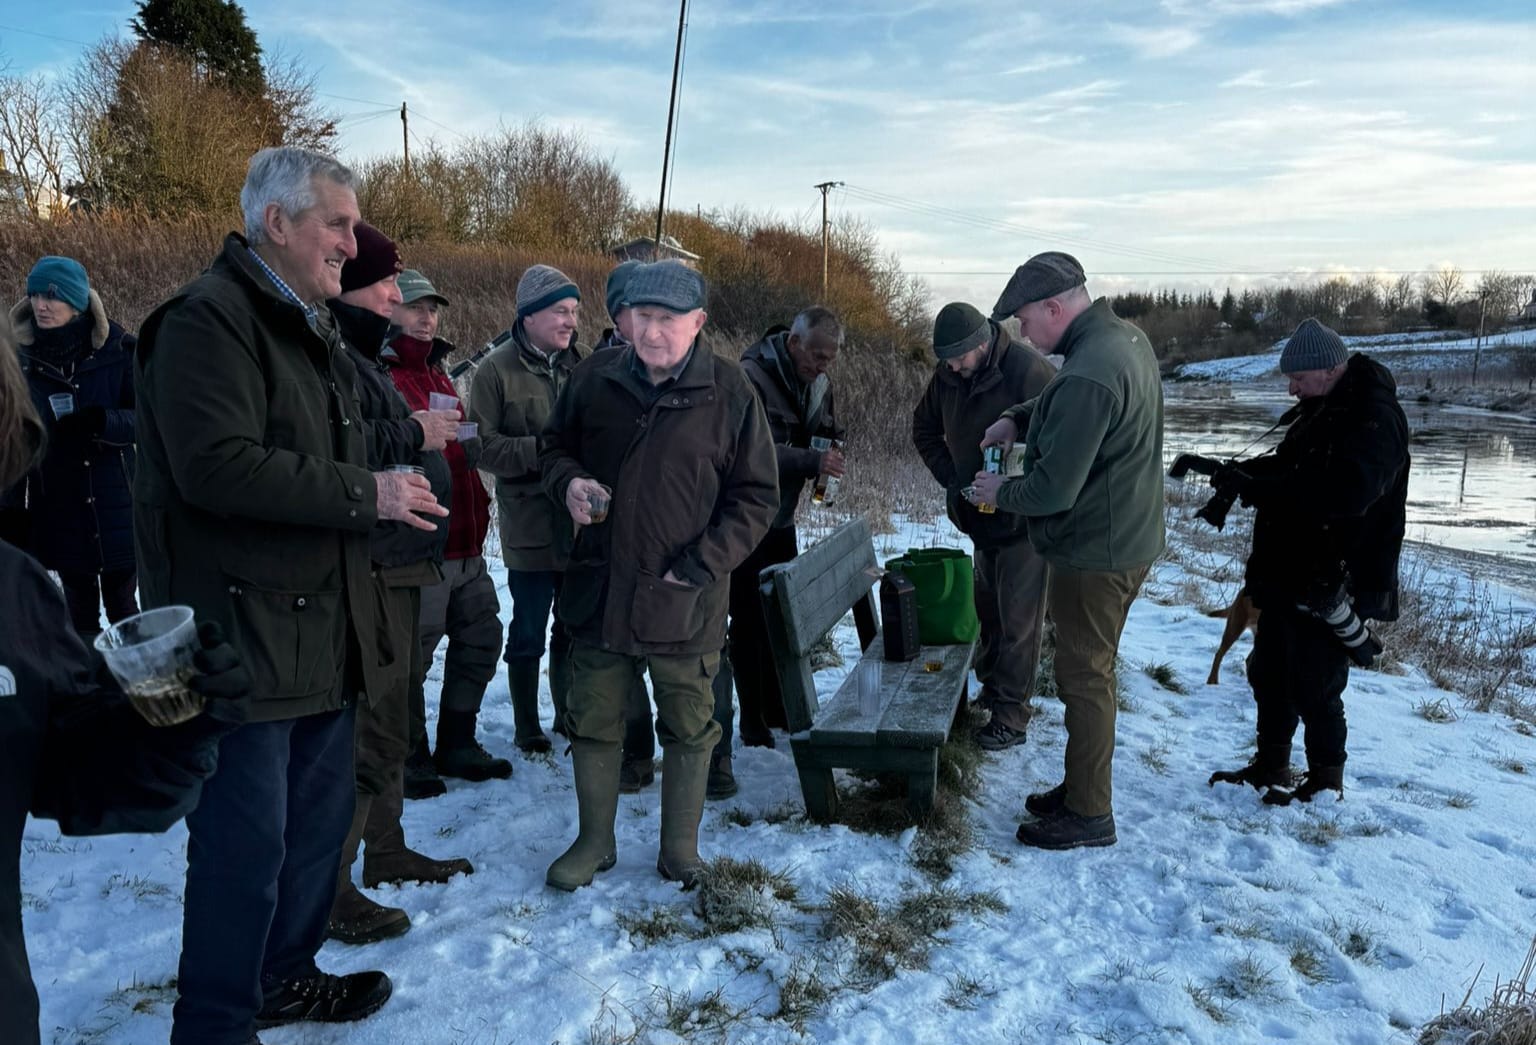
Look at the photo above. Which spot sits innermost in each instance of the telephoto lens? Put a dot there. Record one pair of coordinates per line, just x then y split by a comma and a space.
1338, 613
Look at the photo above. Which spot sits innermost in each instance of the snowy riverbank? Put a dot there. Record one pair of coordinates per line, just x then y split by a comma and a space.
1215, 919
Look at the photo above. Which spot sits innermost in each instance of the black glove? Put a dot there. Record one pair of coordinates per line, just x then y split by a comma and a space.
82, 426
1229, 480
221, 676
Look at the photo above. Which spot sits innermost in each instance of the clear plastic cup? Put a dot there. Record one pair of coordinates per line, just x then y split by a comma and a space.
150, 654
440, 401
867, 679
61, 403
469, 430
407, 469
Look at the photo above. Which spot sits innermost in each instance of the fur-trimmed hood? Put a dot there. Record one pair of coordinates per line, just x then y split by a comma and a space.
24, 326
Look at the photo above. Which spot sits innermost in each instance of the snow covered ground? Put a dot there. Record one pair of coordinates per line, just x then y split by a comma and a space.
1215, 919
1402, 352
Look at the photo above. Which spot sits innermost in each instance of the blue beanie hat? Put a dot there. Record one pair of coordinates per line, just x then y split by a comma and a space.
64, 278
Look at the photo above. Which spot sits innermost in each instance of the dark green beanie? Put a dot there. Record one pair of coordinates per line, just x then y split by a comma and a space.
960, 328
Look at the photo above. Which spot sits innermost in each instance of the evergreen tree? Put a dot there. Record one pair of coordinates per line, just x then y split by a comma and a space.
212, 32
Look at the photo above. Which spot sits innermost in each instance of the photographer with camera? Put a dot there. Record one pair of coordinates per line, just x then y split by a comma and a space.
1330, 505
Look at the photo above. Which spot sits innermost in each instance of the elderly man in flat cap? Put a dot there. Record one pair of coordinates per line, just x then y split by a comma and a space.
661, 454
1092, 489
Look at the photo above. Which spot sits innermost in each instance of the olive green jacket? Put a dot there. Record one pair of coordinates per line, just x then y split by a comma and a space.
1092, 484
253, 500
511, 397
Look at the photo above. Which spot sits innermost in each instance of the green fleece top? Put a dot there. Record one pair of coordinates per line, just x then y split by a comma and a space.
1092, 484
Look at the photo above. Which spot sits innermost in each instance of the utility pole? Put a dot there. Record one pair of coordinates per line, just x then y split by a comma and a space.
1477, 356
405, 138
666, 154
825, 235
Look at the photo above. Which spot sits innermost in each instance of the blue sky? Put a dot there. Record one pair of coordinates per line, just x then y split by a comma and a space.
1187, 142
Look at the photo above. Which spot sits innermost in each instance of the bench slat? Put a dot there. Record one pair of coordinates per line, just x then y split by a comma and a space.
920, 712
820, 584
916, 706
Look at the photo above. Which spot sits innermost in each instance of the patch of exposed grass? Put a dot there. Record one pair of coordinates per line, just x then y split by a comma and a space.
139, 886
1309, 962
804, 992
888, 939
1248, 978
734, 895
1355, 939
1511, 763
1437, 710
1164, 675
1319, 831
653, 925
966, 992
1216, 1006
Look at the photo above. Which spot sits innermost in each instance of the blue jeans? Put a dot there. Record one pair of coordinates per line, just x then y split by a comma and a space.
533, 595
263, 847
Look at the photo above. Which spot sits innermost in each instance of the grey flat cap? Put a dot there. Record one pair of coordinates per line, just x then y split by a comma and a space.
669, 284
1042, 276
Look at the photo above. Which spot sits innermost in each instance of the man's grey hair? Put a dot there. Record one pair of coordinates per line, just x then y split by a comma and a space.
815, 318
285, 176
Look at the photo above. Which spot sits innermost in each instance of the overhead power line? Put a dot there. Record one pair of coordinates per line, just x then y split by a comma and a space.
859, 192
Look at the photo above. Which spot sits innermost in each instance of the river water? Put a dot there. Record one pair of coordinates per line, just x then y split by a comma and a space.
1471, 488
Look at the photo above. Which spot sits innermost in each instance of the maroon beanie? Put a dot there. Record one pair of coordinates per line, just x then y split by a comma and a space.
377, 258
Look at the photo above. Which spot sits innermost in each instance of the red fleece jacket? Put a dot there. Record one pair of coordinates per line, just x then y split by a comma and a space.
470, 511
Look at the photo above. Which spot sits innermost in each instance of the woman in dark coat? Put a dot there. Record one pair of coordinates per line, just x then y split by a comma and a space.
75, 751
78, 500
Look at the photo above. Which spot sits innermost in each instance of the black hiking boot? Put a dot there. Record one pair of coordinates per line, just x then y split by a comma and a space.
994, 736
1323, 778
1269, 767
323, 998
721, 782
1044, 804
421, 779
460, 755
1068, 830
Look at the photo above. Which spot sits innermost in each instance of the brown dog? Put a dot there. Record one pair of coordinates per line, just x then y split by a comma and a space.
1240, 615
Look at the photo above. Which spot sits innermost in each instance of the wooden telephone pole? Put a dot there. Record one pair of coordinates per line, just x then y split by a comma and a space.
826, 227
666, 153
405, 138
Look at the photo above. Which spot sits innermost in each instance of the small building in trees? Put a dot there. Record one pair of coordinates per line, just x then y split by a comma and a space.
644, 249
1528, 313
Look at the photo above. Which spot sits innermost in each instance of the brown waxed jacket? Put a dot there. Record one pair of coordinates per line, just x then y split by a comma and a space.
511, 397
694, 488
253, 500
949, 421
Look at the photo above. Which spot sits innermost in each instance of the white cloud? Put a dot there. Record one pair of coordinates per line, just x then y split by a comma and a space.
1043, 65
1156, 43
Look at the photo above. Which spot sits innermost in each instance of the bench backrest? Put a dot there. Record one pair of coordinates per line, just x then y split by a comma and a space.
804, 598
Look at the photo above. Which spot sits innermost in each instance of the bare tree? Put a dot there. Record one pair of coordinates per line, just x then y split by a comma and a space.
32, 142
1445, 285
1399, 295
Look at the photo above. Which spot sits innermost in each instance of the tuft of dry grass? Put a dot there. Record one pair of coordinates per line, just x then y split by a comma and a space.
1509, 1017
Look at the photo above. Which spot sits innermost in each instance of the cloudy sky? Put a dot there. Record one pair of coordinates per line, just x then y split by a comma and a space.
1187, 142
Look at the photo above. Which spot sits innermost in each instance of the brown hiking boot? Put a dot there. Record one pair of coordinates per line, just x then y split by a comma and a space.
357, 920
407, 865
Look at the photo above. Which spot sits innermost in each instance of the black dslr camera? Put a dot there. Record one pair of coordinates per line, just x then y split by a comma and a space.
1216, 509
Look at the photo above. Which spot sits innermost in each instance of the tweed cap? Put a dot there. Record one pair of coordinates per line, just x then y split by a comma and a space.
618, 279
377, 258
414, 286
1042, 276
669, 284
1312, 347
542, 286
64, 278
959, 328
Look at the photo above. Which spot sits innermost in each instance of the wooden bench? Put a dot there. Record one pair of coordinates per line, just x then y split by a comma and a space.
803, 600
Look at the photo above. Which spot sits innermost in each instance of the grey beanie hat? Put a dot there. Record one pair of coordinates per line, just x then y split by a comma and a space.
542, 286
1312, 347
618, 280
959, 328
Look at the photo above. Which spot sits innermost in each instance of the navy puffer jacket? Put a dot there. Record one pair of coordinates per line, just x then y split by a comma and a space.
79, 498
